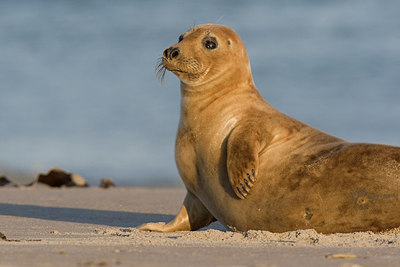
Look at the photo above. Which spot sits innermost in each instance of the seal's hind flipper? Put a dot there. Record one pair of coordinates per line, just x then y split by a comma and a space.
192, 216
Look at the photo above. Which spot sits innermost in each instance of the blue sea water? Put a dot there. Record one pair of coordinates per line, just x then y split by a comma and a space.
78, 88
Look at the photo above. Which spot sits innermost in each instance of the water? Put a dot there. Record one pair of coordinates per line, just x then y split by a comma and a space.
78, 87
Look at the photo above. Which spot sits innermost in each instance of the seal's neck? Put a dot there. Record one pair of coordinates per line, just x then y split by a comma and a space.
228, 98
226, 81
214, 91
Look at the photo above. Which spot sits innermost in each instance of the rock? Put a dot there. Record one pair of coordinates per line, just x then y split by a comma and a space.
78, 180
57, 178
341, 256
106, 183
3, 237
4, 181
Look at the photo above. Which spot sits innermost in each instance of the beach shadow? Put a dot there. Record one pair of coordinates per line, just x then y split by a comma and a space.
99, 217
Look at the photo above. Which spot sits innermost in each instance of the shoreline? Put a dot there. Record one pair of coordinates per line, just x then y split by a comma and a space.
21, 178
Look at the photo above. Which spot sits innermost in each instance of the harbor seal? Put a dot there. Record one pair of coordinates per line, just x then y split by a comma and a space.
251, 167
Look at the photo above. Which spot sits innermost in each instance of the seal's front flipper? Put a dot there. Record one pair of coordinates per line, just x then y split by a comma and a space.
192, 216
242, 160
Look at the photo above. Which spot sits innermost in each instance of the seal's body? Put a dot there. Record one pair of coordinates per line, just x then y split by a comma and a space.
249, 166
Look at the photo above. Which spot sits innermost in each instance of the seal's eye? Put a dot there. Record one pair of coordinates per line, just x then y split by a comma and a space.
180, 38
209, 44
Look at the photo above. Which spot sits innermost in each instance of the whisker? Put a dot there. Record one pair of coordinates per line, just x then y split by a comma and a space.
219, 19
160, 71
192, 28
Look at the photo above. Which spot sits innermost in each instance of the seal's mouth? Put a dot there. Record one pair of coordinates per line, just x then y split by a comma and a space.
162, 66
188, 70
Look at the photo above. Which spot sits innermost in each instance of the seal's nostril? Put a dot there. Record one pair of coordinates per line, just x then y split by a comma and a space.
171, 52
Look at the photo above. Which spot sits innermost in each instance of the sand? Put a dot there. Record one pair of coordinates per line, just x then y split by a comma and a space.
43, 226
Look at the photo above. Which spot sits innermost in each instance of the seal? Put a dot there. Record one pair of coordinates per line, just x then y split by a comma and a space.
251, 167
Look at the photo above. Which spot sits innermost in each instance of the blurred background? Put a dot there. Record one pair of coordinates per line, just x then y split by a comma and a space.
78, 88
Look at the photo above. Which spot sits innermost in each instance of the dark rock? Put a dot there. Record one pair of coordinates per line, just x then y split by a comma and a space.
3, 237
57, 178
4, 181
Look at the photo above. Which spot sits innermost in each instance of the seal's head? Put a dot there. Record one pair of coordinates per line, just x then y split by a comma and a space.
207, 54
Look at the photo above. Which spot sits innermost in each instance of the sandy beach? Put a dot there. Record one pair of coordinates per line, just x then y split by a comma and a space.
92, 226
